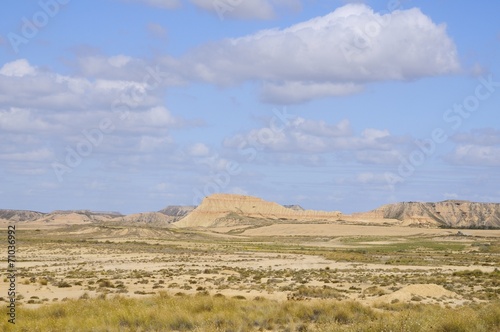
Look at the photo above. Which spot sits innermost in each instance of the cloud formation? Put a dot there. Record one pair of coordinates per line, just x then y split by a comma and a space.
330, 55
479, 147
311, 137
44, 114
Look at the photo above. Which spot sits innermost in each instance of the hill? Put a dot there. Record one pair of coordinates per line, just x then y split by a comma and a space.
230, 210
20, 215
451, 213
226, 209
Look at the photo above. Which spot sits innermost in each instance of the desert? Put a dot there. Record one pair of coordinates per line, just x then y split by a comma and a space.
239, 263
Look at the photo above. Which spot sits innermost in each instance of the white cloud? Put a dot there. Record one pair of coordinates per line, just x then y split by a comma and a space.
51, 91
329, 55
23, 121
304, 136
43, 114
17, 68
297, 92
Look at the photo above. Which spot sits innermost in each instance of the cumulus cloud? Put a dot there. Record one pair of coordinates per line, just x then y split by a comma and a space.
44, 114
330, 55
17, 68
24, 86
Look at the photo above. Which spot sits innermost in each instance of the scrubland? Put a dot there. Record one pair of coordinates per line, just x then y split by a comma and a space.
105, 277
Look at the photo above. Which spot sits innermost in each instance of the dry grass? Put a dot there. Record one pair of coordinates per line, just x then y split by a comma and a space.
205, 313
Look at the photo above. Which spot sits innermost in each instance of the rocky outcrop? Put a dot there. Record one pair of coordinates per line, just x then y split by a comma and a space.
177, 211
451, 213
226, 209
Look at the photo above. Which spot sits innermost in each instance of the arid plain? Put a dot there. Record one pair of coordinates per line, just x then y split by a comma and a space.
246, 260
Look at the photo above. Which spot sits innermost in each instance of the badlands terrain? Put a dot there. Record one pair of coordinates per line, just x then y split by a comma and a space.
240, 263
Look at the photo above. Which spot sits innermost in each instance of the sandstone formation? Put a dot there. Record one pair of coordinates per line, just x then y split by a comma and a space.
225, 209
451, 213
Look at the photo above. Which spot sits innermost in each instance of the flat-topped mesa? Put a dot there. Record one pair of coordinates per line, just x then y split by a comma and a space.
230, 209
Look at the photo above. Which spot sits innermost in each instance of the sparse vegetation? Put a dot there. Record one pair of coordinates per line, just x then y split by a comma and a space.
209, 283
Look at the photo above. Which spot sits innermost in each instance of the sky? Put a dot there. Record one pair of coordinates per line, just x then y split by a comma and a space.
133, 105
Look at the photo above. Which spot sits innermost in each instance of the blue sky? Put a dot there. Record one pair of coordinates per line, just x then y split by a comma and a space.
132, 105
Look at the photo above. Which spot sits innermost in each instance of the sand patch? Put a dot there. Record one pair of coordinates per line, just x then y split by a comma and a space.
418, 292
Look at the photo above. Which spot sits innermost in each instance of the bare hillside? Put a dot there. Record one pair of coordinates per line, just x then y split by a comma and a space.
177, 212
20, 215
452, 213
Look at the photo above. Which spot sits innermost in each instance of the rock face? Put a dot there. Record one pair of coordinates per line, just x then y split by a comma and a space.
225, 209
451, 213
177, 211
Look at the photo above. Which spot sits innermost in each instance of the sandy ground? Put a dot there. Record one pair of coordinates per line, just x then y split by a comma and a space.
138, 262
356, 230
